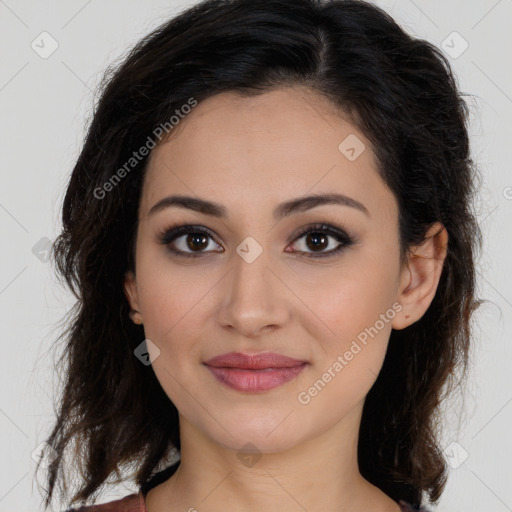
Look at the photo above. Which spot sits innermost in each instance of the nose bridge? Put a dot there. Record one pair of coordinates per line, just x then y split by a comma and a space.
254, 297
250, 266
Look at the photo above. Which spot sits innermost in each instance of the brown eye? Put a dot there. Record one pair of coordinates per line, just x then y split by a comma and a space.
322, 239
189, 241
197, 241
317, 241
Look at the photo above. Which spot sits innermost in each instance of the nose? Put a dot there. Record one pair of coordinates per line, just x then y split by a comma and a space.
256, 300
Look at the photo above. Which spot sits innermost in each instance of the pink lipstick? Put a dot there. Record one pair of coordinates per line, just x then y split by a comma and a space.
254, 372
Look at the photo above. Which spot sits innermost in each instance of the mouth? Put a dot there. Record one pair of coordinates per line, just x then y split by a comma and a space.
254, 372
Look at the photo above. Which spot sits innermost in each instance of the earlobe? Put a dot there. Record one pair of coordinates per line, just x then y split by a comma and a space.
130, 291
421, 275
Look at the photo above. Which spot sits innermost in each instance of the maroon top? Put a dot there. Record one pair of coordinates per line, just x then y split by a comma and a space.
135, 503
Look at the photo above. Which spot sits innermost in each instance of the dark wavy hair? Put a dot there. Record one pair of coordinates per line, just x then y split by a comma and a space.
400, 92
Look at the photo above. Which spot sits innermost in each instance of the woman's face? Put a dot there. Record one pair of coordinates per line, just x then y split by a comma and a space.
267, 278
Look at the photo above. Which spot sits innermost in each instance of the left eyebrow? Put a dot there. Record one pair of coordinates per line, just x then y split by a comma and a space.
297, 205
302, 204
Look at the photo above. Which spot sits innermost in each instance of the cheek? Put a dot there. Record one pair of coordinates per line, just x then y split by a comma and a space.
344, 299
168, 307
163, 288
175, 301
172, 307
353, 311
352, 349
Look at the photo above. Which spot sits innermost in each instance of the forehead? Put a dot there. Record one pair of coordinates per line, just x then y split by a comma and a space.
267, 148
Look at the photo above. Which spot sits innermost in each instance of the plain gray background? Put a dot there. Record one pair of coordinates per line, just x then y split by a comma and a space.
45, 101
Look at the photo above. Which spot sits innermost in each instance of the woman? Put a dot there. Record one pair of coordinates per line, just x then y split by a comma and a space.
270, 234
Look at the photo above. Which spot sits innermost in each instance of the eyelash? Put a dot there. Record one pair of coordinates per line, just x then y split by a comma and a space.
170, 234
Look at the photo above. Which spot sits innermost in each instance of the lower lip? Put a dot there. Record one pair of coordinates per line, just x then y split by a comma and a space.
255, 380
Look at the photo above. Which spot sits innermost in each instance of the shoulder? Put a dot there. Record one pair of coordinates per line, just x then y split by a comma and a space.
131, 503
407, 507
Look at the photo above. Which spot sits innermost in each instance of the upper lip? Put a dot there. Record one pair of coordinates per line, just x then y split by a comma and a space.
253, 361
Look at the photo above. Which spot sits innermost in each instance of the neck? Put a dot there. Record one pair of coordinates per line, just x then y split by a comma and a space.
317, 474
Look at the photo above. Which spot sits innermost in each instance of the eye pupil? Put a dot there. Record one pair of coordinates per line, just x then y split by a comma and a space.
197, 241
319, 241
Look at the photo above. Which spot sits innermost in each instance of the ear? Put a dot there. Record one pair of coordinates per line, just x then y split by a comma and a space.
131, 293
420, 276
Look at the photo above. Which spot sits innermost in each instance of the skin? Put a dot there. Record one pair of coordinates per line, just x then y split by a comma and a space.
251, 154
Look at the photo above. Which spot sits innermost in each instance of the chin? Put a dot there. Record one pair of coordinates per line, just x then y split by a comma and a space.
258, 433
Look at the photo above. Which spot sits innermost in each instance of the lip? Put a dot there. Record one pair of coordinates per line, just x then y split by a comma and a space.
254, 372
